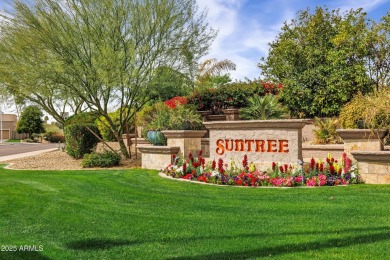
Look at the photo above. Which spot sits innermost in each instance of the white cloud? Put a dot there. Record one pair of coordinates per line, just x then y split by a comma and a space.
243, 34
366, 5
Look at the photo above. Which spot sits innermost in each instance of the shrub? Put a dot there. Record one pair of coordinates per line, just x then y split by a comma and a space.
325, 132
267, 107
54, 137
370, 111
79, 140
82, 118
169, 116
105, 159
232, 95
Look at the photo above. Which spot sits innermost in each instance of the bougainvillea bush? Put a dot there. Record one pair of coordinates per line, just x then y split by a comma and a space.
328, 172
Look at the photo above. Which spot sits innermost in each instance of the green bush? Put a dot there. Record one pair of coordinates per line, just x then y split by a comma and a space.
232, 95
262, 108
370, 111
105, 159
54, 137
161, 117
79, 140
325, 132
82, 118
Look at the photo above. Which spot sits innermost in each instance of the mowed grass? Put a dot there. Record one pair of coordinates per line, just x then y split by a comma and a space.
135, 214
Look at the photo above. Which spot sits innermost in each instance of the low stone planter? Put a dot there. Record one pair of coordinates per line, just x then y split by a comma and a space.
216, 118
157, 157
205, 115
374, 166
362, 139
189, 141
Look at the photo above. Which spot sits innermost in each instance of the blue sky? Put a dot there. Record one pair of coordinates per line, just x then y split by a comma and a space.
246, 26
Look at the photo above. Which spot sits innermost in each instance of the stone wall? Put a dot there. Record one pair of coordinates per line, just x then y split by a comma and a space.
261, 140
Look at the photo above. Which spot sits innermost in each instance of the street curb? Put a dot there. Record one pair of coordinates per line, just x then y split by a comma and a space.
22, 155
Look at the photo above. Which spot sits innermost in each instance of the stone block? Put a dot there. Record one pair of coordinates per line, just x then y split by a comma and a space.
157, 157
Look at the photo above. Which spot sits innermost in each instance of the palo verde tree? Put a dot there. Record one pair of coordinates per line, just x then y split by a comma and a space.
31, 121
320, 58
100, 53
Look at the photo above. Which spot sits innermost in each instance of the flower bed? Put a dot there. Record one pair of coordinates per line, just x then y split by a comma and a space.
329, 172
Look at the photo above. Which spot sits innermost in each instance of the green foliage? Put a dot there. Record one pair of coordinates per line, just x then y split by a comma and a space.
105, 129
30, 121
262, 108
104, 159
54, 137
210, 73
161, 117
99, 53
79, 140
82, 118
232, 95
325, 132
321, 61
168, 83
370, 111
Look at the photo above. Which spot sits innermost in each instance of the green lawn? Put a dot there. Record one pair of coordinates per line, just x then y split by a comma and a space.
136, 214
13, 141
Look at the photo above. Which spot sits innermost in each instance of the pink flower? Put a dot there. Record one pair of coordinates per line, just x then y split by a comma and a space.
311, 182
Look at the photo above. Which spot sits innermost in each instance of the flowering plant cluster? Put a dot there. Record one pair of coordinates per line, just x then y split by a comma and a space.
329, 172
173, 102
232, 95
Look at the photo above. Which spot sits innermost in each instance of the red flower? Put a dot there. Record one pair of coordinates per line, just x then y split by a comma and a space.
281, 168
220, 166
184, 167
173, 102
245, 162
285, 168
213, 165
331, 169
273, 166
312, 163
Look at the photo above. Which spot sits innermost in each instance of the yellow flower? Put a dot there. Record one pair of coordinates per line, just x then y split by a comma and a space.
252, 167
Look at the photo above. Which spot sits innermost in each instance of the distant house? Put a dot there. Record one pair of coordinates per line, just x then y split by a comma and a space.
9, 126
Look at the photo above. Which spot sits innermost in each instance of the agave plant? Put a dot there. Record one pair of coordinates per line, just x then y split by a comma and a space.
262, 108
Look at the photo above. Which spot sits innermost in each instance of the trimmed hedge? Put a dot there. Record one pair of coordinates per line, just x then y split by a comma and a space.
105, 159
79, 140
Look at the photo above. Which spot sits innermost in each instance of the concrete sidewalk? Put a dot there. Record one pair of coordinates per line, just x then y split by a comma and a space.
22, 155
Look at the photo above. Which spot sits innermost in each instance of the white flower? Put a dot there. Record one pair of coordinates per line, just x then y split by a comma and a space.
179, 169
353, 175
213, 173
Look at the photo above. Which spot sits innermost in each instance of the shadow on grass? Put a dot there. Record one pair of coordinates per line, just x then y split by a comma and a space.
265, 251
97, 244
25, 255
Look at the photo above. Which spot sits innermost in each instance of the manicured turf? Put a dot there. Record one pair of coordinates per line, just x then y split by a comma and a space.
136, 214
13, 141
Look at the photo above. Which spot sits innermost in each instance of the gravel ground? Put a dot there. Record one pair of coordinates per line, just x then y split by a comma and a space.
58, 160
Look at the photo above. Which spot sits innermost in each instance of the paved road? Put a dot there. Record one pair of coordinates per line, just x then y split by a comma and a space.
17, 148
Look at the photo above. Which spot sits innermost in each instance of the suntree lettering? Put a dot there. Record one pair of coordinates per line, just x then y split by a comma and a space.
251, 145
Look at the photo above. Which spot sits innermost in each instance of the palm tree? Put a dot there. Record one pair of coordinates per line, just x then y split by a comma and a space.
262, 108
211, 68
